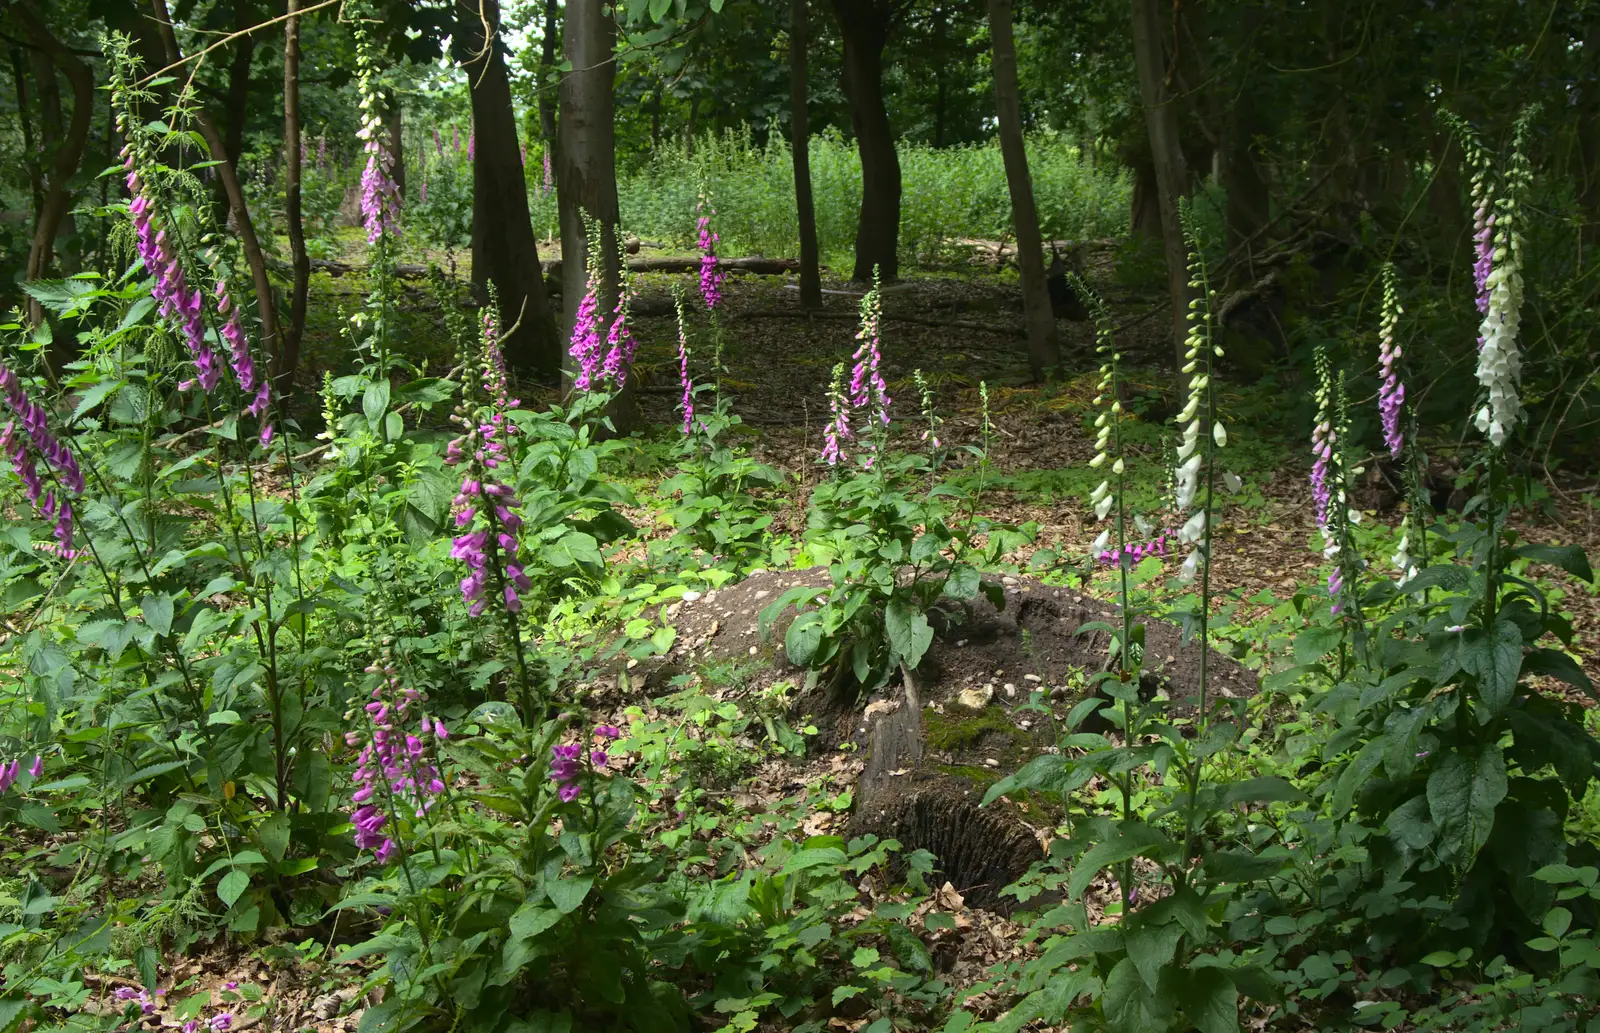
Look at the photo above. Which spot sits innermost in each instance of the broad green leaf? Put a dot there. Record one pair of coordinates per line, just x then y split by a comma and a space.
1129, 1005
375, 402
1151, 943
1130, 842
1569, 558
1555, 664
908, 631
1208, 996
1462, 795
567, 894
157, 611
232, 886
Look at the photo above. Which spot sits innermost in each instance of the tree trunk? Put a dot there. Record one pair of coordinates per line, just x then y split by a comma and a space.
504, 249
547, 64
1044, 349
587, 181
865, 27
68, 152
800, 146
941, 96
266, 305
1244, 180
289, 355
30, 151
395, 130
1166, 153
236, 102
1589, 141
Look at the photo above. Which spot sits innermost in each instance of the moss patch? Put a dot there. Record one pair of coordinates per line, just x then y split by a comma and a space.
965, 731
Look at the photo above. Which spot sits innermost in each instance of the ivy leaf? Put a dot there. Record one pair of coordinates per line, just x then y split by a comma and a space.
1462, 794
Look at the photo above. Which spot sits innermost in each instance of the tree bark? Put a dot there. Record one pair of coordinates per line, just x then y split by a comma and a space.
1166, 153
288, 357
586, 183
547, 64
30, 151
1044, 347
864, 25
800, 146
1244, 181
69, 151
504, 249
236, 102
395, 130
266, 305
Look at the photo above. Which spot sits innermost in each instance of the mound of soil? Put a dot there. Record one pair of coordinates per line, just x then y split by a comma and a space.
932, 747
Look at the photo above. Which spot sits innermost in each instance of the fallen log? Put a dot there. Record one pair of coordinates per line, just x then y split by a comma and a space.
959, 324
755, 265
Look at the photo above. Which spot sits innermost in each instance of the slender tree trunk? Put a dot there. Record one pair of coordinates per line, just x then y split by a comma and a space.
1243, 179
30, 149
52, 127
865, 27
68, 153
236, 102
547, 64
394, 127
800, 146
587, 181
289, 355
1044, 348
1161, 124
505, 251
941, 97
266, 305
1589, 141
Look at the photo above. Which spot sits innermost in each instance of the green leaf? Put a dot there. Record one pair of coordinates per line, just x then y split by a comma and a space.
1355, 776
1495, 662
531, 919
1129, 1005
1263, 789
963, 582
568, 894
1462, 795
1131, 841
274, 834
1151, 944
658, 9
1569, 558
157, 611
1312, 644
1440, 959
232, 886
908, 631
1210, 999
1555, 664
375, 402
94, 396
803, 639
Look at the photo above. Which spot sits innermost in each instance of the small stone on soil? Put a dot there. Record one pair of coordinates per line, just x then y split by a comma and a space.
691, 596
990, 762
1032, 678
1011, 691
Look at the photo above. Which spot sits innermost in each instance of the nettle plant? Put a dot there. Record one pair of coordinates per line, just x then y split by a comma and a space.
895, 547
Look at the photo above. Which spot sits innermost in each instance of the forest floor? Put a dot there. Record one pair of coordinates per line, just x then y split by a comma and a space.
963, 331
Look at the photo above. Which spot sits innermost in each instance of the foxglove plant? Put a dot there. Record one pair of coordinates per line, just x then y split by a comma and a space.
380, 197
1391, 392
711, 277
685, 381
1499, 356
25, 449
1203, 433
396, 767
837, 433
1323, 438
